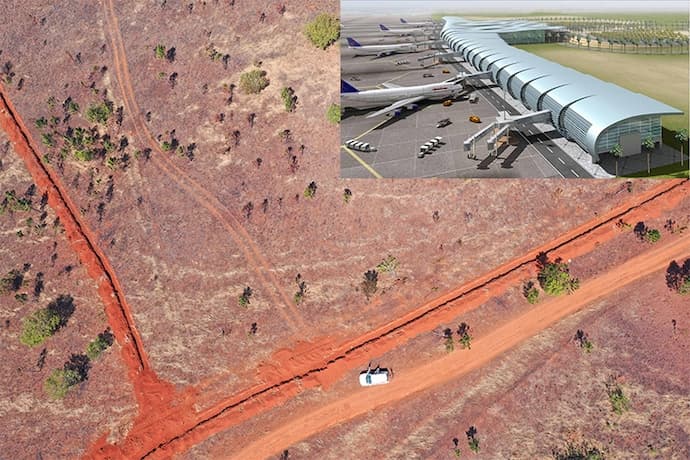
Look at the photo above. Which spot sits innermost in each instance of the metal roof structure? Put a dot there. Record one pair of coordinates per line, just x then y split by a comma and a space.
582, 107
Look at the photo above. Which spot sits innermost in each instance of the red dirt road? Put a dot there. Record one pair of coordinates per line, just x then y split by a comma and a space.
82, 239
484, 349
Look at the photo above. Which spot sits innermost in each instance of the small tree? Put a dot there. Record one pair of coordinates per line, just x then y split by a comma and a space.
301, 289
682, 137
99, 113
389, 264
333, 114
99, 345
243, 299
323, 31
648, 144
60, 381
465, 339
472, 440
38, 326
555, 279
159, 51
619, 402
531, 293
448, 339
347, 195
254, 81
617, 152
369, 287
583, 340
287, 94
652, 235
310, 191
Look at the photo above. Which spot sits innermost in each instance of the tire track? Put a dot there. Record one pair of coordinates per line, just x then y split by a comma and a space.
387, 337
82, 239
253, 255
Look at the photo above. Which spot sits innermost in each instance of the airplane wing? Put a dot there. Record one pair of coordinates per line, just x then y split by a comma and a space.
390, 85
396, 105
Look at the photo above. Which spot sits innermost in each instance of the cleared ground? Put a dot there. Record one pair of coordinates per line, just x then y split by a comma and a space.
662, 77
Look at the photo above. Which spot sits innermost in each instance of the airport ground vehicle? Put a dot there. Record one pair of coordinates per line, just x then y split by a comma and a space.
474, 99
443, 123
378, 376
445, 71
447, 103
475, 119
427, 75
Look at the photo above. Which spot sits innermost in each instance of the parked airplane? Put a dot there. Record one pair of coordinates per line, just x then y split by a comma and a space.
400, 97
402, 32
405, 23
383, 50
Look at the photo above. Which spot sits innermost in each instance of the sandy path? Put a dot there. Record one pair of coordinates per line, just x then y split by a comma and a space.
484, 349
256, 261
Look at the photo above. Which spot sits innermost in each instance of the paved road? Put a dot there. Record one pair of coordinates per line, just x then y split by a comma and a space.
561, 161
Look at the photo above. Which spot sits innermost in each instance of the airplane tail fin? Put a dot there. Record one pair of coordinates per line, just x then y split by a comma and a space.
345, 87
382, 27
403, 21
352, 42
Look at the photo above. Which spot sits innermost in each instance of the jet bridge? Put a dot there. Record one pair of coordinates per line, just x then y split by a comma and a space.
504, 126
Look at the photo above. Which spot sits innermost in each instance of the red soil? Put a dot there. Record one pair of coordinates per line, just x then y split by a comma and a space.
484, 349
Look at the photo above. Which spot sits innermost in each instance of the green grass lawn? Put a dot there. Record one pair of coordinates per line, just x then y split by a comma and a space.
675, 171
661, 77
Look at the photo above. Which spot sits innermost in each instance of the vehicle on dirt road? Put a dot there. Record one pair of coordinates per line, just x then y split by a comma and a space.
378, 376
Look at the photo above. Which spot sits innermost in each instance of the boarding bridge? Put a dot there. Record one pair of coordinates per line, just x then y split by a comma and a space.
504, 126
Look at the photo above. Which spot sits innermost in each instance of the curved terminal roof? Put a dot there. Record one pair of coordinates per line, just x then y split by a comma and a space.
581, 106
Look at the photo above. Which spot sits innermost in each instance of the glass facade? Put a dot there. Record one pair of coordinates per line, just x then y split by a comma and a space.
646, 126
523, 37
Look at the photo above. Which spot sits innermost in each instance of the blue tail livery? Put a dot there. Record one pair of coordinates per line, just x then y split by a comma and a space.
382, 27
345, 87
353, 42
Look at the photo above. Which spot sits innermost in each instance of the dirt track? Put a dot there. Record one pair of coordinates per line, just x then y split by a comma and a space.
484, 349
255, 259
282, 384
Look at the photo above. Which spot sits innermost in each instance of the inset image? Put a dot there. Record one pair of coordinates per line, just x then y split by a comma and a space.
474, 91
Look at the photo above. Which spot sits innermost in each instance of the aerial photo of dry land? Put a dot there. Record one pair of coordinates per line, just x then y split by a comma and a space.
185, 274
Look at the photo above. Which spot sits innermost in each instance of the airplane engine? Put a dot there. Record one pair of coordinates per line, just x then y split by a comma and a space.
395, 113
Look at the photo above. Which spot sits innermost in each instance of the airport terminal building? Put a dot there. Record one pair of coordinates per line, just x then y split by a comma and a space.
595, 114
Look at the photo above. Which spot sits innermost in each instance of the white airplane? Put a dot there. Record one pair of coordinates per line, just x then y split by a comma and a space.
405, 23
401, 96
402, 32
383, 50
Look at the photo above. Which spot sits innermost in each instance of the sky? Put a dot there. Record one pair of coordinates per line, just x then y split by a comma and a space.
514, 6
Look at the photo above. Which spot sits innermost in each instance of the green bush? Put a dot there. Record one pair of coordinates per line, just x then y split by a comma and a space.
97, 346
47, 140
287, 94
310, 191
333, 114
684, 288
254, 81
159, 50
323, 31
652, 235
99, 113
59, 382
38, 326
555, 279
41, 122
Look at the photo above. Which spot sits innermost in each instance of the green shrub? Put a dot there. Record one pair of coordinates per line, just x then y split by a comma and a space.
99, 113
41, 122
38, 326
333, 114
287, 94
310, 191
97, 346
389, 264
684, 288
59, 382
619, 402
47, 140
323, 31
555, 279
652, 235
254, 81
159, 50
533, 295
